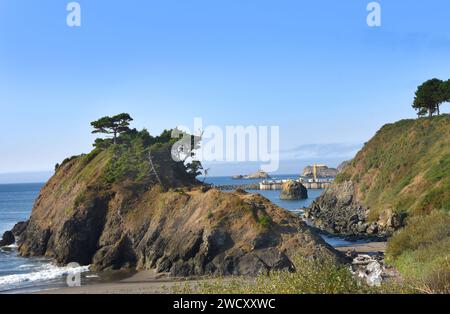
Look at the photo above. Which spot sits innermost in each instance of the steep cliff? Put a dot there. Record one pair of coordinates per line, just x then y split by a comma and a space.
109, 209
403, 171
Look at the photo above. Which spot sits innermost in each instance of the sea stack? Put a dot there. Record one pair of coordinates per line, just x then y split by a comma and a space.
293, 190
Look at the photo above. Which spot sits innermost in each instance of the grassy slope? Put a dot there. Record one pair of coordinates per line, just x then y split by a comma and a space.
406, 168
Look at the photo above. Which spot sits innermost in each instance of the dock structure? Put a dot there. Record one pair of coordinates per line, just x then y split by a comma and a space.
271, 184
309, 184
317, 185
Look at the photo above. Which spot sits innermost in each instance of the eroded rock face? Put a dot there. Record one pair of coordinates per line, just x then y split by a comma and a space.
337, 211
181, 231
293, 190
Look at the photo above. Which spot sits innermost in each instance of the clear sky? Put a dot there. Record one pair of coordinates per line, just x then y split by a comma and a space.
314, 68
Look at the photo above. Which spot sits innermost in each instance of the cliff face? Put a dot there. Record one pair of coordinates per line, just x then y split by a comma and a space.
403, 171
179, 227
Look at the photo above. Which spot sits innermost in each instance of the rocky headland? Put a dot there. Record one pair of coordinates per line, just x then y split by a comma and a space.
114, 209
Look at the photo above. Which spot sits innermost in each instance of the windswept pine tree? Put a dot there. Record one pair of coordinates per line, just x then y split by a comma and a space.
114, 125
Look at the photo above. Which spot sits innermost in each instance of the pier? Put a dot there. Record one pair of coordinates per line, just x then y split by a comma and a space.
309, 184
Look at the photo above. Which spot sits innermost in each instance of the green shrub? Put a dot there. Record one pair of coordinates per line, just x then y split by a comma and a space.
421, 251
265, 221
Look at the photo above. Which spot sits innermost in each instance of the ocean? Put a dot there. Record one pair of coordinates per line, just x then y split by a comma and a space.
19, 275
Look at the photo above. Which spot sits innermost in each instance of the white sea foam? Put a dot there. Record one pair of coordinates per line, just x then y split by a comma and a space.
46, 272
26, 266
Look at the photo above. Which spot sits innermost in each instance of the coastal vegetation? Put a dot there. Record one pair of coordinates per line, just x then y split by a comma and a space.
421, 251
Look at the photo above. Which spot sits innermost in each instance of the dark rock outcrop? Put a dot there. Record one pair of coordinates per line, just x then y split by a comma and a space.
7, 239
338, 212
19, 228
293, 190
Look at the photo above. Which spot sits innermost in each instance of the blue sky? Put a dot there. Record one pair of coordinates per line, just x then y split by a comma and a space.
312, 67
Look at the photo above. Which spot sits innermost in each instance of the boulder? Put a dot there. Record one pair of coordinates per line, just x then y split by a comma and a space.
369, 268
293, 190
7, 239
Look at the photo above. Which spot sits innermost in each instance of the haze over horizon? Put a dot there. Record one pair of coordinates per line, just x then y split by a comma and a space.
313, 68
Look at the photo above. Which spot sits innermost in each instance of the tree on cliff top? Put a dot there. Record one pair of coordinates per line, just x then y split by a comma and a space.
430, 95
114, 125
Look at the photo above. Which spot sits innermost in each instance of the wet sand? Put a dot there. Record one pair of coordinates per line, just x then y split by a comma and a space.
144, 282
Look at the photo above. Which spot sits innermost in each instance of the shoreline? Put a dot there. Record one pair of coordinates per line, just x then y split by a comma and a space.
150, 282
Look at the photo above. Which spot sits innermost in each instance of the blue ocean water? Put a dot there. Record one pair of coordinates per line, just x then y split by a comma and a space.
16, 202
18, 274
